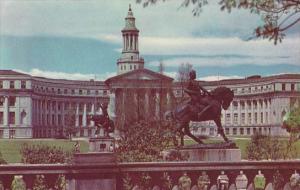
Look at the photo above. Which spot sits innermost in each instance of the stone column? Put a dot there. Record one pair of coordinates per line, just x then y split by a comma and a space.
258, 112
112, 104
84, 116
252, 112
29, 113
41, 109
77, 115
5, 111
62, 113
168, 100
147, 103
157, 104
231, 114
17, 112
246, 112
239, 113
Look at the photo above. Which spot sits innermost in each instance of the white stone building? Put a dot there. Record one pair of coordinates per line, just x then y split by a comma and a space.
35, 107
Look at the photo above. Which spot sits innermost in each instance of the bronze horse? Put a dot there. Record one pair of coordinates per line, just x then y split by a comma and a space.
102, 120
209, 108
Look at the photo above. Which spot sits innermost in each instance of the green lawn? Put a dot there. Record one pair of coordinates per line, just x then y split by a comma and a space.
10, 148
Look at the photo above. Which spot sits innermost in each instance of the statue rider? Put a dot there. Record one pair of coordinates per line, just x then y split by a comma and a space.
106, 116
196, 92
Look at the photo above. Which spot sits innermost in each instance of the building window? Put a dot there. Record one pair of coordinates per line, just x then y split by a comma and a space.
234, 131
11, 118
255, 105
65, 91
292, 87
283, 87
12, 101
235, 105
235, 118
130, 67
248, 131
255, 117
254, 130
241, 131
52, 89
58, 91
53, 119
80, 120
11, 84
227, 119
227, 131
104, 92
1, 84
59, 120
23, 84
242, 105
2, 99
261, 117
88, 92
134, 66
80, 91
73, 91
243, 118
1, 117
249, 118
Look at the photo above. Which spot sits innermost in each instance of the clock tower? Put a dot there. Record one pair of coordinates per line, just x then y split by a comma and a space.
130, 59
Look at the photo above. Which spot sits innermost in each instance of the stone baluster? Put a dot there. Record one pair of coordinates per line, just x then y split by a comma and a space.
203, 182
222, 181
18, 183
259, 181
241, 181
184, 183
294, 183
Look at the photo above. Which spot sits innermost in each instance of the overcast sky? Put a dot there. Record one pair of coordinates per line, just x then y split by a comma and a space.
81, 39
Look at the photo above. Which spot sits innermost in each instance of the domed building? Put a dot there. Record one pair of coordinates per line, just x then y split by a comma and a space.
37, 107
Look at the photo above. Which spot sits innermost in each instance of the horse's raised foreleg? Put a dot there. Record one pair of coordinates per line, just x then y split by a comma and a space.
220, 129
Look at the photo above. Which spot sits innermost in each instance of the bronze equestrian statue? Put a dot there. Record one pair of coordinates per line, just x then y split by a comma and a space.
103, 121
202, 106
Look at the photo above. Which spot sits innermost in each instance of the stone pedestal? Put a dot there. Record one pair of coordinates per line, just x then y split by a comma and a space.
101, 144
101, 151
212, 155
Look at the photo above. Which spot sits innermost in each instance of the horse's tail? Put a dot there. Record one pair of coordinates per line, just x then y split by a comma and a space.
168, 116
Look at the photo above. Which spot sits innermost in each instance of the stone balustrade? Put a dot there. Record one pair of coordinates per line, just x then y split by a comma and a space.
268, 175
